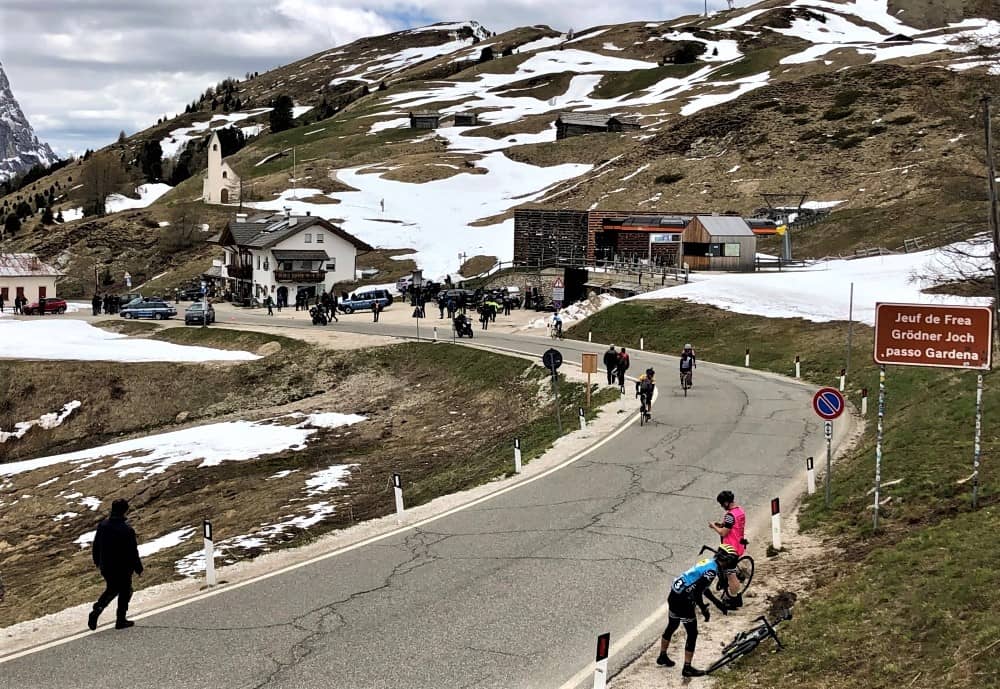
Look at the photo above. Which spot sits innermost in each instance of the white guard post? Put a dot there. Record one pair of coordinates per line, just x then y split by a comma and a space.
776, 524
397, 488
601, 670
843, 379
798, 368
810, 476
642, 344
864, 401
209, 553
583, 419
517, 455
746, 361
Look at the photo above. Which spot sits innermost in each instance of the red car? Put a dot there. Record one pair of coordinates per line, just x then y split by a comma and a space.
43, 306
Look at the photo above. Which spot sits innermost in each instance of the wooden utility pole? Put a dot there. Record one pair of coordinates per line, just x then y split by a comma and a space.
994, 218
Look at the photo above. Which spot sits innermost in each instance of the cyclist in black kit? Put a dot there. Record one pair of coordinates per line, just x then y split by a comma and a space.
688, 364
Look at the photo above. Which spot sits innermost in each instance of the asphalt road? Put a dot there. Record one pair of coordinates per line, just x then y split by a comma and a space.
509, 593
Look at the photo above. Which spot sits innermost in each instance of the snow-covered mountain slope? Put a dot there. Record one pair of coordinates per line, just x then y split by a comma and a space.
20, 149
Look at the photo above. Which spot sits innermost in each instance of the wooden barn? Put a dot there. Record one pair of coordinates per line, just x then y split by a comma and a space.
577, 124
719, 242
466, 119
425, 120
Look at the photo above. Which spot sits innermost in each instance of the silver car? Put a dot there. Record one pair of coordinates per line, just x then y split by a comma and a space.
148, 308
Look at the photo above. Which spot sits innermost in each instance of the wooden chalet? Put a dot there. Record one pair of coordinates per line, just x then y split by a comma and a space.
719, 242
466, 119
425, 120
578, 124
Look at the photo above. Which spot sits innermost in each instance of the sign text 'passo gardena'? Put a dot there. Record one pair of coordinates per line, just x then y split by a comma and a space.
933, 335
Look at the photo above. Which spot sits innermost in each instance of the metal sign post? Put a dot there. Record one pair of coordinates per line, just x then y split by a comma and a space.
878, 441
828, 404
976, 445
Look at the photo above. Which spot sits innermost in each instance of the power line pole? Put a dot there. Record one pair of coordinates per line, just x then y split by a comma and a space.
994, 218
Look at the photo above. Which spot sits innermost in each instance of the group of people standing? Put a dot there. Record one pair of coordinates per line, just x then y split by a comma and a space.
108, 304
19, 301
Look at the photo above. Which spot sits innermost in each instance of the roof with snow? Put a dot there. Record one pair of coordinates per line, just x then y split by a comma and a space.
25, 265
725, 225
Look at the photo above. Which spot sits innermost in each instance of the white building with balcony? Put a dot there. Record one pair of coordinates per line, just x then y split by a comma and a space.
281, 256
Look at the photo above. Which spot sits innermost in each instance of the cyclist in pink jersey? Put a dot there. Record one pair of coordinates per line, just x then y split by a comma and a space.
732, 531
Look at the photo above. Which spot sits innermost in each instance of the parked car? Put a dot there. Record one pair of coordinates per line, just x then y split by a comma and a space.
148, 308
195, 314
456, 294
403, 284
45, 305
361, 301
190, 294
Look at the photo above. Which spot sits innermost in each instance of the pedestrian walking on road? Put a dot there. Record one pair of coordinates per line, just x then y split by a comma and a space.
116, 555
95, 304
376, 310
270, 305
611, 363
333, 306
441, 305
623, 364
1, 302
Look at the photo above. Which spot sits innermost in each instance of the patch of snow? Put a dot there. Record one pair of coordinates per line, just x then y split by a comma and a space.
86, 540
611, 46
327, 479
45, 421
77, 340
708, 100
64, 515
821, 292
148, 193
170, 540
210, 445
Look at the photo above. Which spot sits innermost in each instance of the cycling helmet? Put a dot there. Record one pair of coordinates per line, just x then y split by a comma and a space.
725, 497
687, 346
726, 555
650, 373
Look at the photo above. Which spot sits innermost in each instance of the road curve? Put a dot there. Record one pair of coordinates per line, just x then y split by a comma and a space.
508, 593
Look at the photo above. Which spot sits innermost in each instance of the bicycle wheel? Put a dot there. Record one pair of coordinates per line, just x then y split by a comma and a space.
744, 572
732, 653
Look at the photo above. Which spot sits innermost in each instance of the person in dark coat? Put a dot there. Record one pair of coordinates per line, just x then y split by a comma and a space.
623, 364
95, 304
611, 363
333, 306
116, 555
376, 310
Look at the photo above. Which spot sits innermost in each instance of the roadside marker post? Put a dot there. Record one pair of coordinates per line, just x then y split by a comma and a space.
828, 404
601, 671
864, 401
775, 524
517, 455
746, 361
810, 476
583, 419
435, 333
397, 488
590, 336
843, 379
798, 368
642, 344
206, 527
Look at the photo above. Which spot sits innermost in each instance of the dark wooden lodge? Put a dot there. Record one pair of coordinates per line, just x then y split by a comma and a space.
578, 124
425, 120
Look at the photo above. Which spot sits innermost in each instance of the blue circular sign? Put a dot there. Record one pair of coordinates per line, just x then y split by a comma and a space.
828, 403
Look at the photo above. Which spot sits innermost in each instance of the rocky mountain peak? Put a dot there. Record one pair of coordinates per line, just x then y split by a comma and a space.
20, 149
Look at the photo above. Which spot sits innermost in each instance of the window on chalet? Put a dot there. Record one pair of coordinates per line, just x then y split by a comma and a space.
319, 237
332, 265
308, 238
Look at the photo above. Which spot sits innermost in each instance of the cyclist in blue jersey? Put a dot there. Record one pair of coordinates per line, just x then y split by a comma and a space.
685, 593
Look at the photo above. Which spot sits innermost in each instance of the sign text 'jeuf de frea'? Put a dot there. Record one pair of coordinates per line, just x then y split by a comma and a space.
933, 335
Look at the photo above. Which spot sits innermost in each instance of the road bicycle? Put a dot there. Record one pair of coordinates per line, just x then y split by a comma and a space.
686, 382
556, 332
746, 642
744, 574
644, 415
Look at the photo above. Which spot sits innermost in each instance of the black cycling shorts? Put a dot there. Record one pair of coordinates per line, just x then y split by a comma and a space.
680, 606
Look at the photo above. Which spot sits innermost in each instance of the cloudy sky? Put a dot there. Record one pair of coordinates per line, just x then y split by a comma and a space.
83, 70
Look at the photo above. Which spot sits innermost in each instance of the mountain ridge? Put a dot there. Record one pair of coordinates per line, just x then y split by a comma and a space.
20, 149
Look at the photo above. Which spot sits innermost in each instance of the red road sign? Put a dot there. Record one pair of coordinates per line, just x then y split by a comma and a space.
932, 335
828, 403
